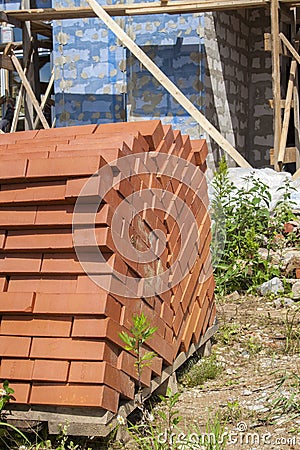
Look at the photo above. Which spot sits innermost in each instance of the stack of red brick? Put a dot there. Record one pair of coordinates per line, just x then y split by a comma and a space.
59, 332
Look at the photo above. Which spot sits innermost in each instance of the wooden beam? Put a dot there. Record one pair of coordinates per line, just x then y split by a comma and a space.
45, 98
282, 103
290, 47
289, 156
276, 78
287, 113
168, 84
296, 175
29, 91
129, 9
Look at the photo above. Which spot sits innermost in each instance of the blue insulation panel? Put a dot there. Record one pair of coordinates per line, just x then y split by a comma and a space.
98, 80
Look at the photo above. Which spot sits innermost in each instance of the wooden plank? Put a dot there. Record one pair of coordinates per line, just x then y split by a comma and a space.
121, 9
282, 103
29, 91
296, 175
168, 84
289, 156
5, 63
276, 78
45, 98
287, 113
290, 47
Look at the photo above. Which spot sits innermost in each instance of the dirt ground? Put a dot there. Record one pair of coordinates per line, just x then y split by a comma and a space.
257, 394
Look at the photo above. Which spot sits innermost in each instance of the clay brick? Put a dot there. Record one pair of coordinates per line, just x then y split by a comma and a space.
101, 373
11, 138
97, 328
22, 391
200, 150
57, 240
63, 167
16, 302
151, 130
190, 326
72, 349
55, 216
69, 132
46, 284
28, 326
2, 239
298, 273
17, 263
3, 284
9, 171
75, 395
50, 370
33, 192
168, 135
200, 321
61, 263
14, 346
17, 216
24, 155
126, 364
16, 369
167, 314
76, 304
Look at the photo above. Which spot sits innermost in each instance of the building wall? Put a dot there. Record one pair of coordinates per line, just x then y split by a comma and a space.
216, 59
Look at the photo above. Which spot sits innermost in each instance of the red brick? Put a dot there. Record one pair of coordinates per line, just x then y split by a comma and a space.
17, 263
17, 170
101, 373
2, 239
197, 332
72, 349
57, 240
200, 150
33, 192
61, 263
126, 363
11, 138
21, 391
63, 167
152, 130
14, 346
190, 326
3, 284
16, 369
16, 216
298, 273
70, 132
55, 216
75, 395
15, 302
97, 328
46, 284
76, 304
50, 370
167, 314
24, 155
28, 326
168, 135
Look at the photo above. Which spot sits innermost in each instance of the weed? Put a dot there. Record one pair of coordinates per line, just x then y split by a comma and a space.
253, 345
227, 333
243, 223
206, 369
292, 331
232, 412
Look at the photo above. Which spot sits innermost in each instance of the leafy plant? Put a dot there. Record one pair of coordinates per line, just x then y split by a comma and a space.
141, 331
242, 223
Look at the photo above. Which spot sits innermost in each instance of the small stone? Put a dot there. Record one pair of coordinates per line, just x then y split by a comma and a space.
247, 392
296, 290
271, 287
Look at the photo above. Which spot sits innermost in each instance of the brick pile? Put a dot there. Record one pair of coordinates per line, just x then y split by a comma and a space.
59, 332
